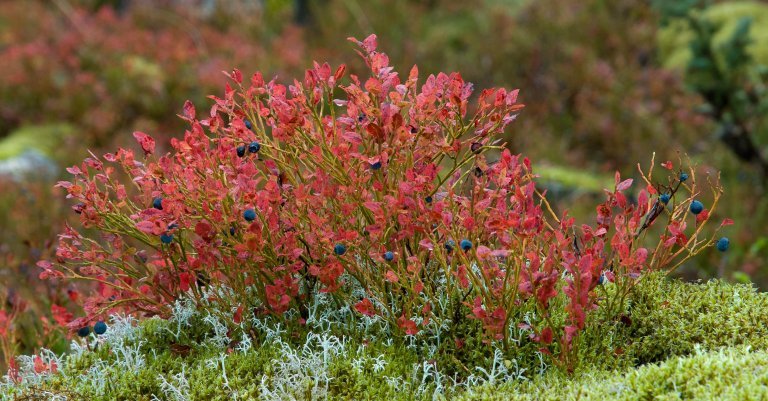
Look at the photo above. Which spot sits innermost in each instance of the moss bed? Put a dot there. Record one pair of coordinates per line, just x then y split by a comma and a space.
704, 341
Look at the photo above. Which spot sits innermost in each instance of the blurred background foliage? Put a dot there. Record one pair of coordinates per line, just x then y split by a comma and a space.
606, 82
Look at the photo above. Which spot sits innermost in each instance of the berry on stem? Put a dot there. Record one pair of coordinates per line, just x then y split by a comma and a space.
389, 256
241, 151
376, 166
100, 328
466, 244
339, 249
249, 215
697, 207
84, 331
683, 177
254, 147
664, 198
723, 243
450, 245
166, 238
248, 124
157, 203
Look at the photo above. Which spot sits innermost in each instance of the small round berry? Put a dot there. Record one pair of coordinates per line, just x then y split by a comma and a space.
254, 147
100, 328
157, 203
232, 231
723, 243
683, 177
376, 166
241, 150
428, 199
449, 245
697, 207
389, 256
249, 215
664, 198
84, 331
339, 249
476, 147
248, 124
601, 280
465, 244
166, 238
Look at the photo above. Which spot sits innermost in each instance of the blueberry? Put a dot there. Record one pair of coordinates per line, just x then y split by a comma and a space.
157, 203
428, 199
601, 280
172, 226
339, 249
100, 328
249, 215
254, 147
664, 198
722, 244
166, 238
241, 150
449, 245
683, 177
248, 124
376, 166
465, 244
697, 207
232, 231
389, 256
84, 331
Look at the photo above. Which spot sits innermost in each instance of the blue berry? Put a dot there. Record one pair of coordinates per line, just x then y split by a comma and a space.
157, 203
172, 226
683, 177
697, 207
339, 249
254, 147
428, 199
248, 124
664, 198
465, 244
100, 328
249, 215
166, 238
450, 245
389, 256
241, 150
376, 166
723, 243
232, 231
84, 331
601, 280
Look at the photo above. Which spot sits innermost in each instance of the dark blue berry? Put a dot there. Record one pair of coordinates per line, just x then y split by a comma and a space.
428, 199
166, 238
84, 331
248, 124
249, 215
100, 328
683, 177
172, 226
376, 166
466, 244
723, 243
664, 198
232, 231
449, 245
157, 203
389, 256
697, 207
254, 147
241, 150
339, 249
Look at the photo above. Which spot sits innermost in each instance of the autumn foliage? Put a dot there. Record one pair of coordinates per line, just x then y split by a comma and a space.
394, 196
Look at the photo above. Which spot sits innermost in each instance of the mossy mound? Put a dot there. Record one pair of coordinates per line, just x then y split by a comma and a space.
675, 38
680, 341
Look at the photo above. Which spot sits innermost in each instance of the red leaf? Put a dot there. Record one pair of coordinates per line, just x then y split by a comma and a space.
726, 222
189, 110
146, 142
667, 165
624, 185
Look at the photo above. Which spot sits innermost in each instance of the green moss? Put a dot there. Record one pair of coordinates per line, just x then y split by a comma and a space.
670, 317
731, 374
